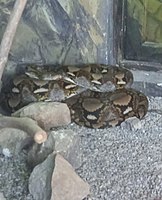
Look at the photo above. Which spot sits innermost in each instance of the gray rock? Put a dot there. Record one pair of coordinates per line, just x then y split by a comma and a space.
47, 114
40, 179
65, 142
68, 144
66, 184
132, 123
11, 139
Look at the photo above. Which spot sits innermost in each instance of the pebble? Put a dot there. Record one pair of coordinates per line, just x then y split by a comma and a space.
6, 152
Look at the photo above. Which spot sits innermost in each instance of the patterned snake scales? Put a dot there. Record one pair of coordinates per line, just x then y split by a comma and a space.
98, 95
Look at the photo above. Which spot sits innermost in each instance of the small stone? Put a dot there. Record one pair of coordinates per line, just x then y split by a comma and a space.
68, 144
132, 123
66, 184
47, 114
6, 152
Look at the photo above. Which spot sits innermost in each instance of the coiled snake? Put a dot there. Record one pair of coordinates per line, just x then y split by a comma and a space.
98, 95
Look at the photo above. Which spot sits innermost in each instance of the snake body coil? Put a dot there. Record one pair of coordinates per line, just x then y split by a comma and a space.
98, 95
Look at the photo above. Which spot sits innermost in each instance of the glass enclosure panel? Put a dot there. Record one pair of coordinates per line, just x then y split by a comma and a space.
143, 35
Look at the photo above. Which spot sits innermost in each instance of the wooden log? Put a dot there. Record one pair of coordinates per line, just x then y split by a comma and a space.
26, 124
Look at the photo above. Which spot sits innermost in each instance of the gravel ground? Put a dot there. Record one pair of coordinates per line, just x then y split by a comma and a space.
14, 176
118, 163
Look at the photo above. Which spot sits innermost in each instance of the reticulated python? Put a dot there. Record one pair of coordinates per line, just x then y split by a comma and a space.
98, 96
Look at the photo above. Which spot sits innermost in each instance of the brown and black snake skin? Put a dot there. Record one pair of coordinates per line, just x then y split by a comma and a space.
98, 95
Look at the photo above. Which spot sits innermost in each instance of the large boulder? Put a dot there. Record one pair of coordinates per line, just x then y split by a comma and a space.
60, 31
